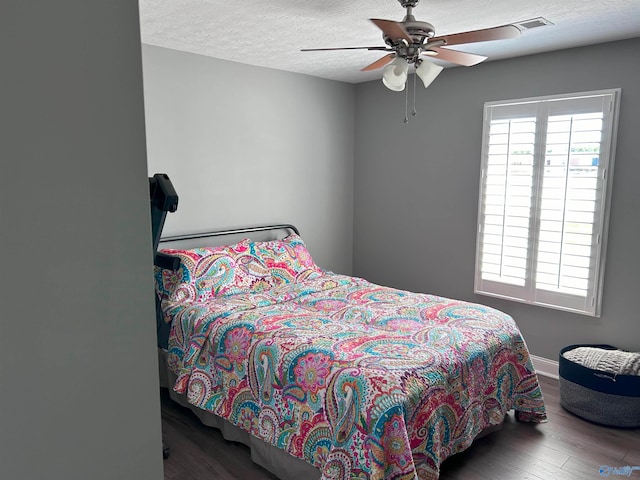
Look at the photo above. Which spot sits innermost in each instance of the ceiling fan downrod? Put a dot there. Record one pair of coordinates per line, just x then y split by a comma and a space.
409, 5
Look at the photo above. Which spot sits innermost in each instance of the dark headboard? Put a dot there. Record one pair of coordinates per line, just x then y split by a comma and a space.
234, 231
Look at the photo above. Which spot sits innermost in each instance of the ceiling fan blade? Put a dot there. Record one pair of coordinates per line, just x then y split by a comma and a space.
381, 62
484, 35
456, 56
394, 30
344, 48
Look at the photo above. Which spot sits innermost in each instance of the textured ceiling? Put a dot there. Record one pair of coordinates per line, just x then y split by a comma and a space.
270, 33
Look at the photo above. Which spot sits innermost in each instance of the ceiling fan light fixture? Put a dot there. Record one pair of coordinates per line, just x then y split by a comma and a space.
394, 75
428, 71
395, 88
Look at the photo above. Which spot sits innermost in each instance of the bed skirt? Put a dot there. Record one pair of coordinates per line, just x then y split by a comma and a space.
276, 461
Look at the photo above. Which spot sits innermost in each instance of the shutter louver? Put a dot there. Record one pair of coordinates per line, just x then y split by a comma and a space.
507, 200
569, 193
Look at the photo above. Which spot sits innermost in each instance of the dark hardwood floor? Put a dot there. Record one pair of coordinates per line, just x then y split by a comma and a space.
564, 448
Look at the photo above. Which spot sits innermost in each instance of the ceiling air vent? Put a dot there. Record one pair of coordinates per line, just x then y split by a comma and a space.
532, 23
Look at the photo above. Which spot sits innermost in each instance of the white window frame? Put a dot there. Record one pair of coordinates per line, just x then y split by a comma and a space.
542, 108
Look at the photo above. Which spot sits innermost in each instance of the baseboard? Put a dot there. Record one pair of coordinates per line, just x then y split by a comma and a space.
545, 367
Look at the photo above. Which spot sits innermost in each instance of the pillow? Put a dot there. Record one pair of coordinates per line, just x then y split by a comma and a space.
250, 275
288, 259
209, 272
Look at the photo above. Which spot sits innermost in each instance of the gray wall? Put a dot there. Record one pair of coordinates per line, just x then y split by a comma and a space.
416, 187
78, 368
246, 145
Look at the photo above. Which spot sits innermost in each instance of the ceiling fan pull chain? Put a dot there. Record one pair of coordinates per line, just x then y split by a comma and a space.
414, 112
406, 104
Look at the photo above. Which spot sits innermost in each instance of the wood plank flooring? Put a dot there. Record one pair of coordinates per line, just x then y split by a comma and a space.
565, 448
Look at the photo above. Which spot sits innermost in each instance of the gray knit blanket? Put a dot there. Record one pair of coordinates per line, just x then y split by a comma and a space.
612, 361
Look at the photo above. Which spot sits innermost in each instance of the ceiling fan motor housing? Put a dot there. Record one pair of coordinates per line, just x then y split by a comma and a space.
417, 30
422, 30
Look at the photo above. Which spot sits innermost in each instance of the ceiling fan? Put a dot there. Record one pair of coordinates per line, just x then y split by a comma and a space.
409, 40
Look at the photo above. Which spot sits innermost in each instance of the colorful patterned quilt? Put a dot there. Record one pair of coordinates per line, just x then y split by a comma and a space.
359, 380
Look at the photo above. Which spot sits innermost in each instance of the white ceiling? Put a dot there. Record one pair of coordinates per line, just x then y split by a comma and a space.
270, 33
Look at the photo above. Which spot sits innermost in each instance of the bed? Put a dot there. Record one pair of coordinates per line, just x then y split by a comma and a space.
330, 376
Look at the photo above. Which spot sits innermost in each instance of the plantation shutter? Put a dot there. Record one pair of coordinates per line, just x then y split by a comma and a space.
546, 166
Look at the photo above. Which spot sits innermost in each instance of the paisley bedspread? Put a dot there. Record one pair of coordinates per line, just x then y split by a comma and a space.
359, 380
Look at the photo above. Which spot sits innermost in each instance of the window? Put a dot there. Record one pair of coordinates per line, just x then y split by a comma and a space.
547, 166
